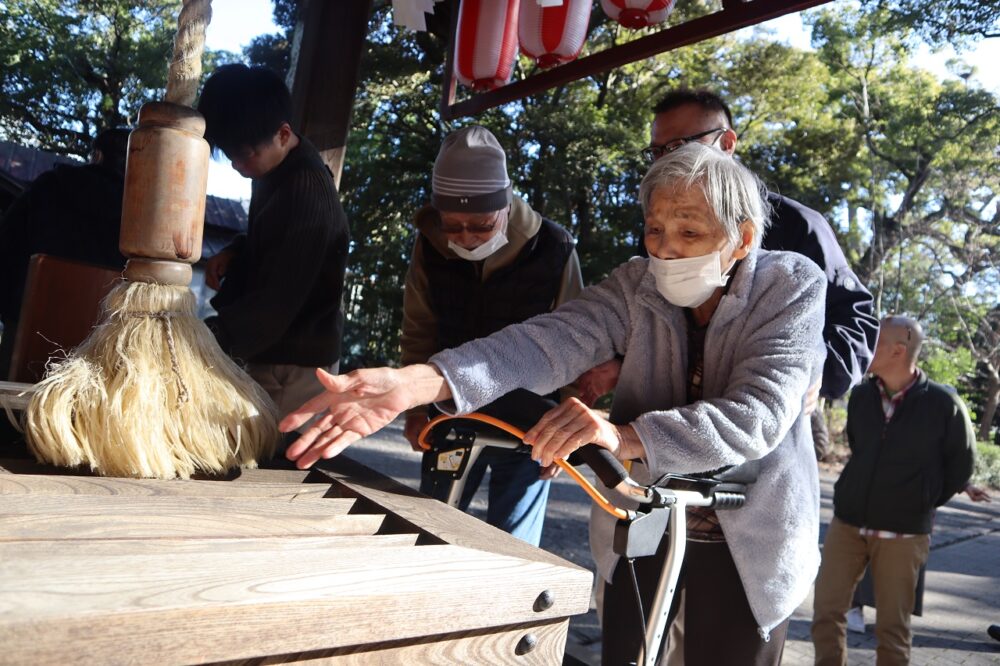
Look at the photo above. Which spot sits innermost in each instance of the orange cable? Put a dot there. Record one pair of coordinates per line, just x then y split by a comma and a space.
587, 486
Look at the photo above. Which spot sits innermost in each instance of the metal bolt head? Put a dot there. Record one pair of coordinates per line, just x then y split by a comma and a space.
526, 644
544, 601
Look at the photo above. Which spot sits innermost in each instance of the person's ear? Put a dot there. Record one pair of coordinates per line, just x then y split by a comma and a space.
747, 232
284, 134
728, 141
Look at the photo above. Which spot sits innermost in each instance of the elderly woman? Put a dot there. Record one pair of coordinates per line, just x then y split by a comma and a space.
720, 343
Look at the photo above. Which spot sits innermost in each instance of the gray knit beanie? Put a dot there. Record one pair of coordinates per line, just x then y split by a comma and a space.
470, 173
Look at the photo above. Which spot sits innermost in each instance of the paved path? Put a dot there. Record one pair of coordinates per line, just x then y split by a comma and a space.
962, 589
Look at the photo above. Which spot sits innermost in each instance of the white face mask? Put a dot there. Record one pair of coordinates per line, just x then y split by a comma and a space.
688, 283
486, 249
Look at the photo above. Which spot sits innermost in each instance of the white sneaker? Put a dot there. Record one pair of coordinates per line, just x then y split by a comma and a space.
856, 620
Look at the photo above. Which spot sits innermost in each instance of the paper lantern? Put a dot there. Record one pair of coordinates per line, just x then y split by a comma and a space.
637, 14
554, 34
486, 42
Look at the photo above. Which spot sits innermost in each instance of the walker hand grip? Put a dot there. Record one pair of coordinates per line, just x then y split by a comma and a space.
607, 468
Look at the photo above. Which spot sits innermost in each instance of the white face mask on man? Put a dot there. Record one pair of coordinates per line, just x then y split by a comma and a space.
484, 250
497, 241
689, 282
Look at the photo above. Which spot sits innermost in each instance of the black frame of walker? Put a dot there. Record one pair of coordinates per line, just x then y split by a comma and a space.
662, 510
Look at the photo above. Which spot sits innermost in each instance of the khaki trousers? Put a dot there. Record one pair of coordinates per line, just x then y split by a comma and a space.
895, 564
288, 385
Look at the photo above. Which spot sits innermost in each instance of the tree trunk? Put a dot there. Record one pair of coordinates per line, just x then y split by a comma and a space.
992, 399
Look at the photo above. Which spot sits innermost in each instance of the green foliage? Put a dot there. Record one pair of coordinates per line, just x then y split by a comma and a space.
987, 472
958, 22
899, 161
70, 68
947, 366
272, 51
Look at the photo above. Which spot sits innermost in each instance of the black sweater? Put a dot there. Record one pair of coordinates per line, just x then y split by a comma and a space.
280, 300
900, 470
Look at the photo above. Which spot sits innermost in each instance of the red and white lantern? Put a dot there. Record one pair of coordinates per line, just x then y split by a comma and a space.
553, 34
486, 43
637, 14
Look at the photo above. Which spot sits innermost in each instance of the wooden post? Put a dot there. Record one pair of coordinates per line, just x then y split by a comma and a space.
326, 61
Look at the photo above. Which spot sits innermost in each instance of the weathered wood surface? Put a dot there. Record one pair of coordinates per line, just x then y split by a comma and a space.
240, 605
171, 545
152, 525
86, 506
118, 571
473, 647
50, 485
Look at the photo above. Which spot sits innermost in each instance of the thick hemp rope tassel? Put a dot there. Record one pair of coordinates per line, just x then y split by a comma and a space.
150, 393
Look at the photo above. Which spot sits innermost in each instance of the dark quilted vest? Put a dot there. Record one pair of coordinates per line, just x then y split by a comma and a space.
468, 308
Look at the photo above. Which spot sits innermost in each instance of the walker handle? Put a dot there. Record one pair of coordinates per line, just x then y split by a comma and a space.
608, 469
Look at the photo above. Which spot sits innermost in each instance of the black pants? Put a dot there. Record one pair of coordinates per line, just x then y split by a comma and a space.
719, 628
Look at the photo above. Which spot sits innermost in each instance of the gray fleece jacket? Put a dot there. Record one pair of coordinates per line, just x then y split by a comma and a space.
763, 349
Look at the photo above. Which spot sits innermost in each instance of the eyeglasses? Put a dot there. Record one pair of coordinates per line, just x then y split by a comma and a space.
478, 225
653, 153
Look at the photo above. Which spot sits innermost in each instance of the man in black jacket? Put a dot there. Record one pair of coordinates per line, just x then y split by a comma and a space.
912, 448
279, 304
851, 328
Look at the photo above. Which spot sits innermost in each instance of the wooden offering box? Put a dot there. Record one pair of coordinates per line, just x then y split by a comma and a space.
340, 566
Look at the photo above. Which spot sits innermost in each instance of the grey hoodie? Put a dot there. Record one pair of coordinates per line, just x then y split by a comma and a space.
763, 349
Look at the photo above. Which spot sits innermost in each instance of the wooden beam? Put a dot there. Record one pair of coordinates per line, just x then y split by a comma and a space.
326, 61
733, 16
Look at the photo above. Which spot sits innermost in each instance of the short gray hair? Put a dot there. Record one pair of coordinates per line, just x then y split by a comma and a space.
733, 193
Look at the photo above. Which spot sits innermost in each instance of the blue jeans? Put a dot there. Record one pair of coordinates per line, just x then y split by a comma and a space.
517, 496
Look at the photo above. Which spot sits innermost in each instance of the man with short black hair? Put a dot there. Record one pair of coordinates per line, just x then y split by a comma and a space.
912, 448
850, 331
280, 286
851, 328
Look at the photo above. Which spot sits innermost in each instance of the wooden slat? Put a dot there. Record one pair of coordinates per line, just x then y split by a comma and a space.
471, 647
129, 608
443, 522
42, 484
290, 475
155, 526
116, 507
166, 547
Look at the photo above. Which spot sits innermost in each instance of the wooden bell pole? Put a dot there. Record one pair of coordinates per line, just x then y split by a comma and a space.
166, 177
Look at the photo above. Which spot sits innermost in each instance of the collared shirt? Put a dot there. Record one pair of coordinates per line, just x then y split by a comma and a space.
891, 402
889, 405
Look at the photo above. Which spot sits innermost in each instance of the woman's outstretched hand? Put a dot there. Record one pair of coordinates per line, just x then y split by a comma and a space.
356, 405
564, 429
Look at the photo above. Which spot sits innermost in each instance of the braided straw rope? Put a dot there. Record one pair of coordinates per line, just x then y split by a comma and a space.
189, 44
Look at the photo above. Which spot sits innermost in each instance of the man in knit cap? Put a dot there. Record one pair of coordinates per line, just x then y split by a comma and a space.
483, 259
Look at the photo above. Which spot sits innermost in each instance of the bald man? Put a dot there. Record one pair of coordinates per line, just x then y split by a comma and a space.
912, 448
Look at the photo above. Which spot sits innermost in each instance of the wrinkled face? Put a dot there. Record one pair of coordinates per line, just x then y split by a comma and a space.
680, 224
470, 230
688, 120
